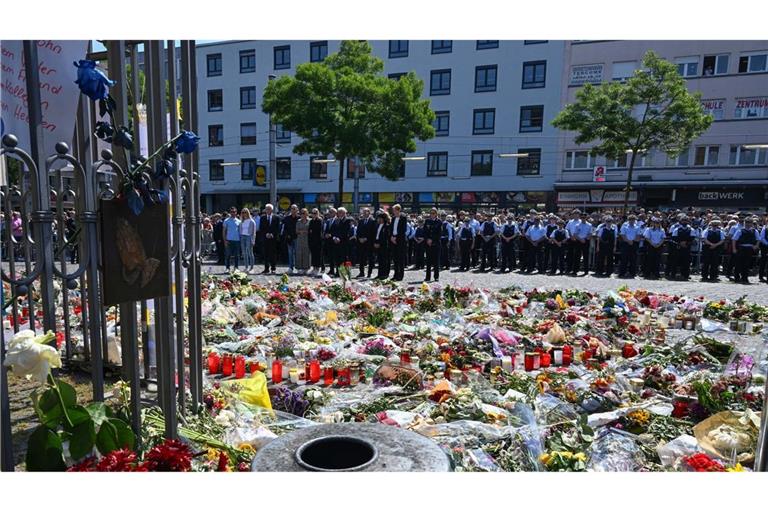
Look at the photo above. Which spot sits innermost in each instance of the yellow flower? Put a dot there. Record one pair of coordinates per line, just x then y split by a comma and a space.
580, 456
544, 458
246, 447
738, 468
212, 455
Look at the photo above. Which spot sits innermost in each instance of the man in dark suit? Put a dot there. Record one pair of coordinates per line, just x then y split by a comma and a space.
366, 231
218, 237
341, 231
269, 229
398, 243
432, 232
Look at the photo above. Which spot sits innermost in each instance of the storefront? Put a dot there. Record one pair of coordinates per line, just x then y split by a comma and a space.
754, 198
594, 199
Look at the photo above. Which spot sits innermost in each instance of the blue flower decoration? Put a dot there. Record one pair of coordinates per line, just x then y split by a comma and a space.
187, 142
92, 80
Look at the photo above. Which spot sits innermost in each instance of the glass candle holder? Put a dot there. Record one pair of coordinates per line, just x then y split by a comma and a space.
277, 371
328, 375
314, 371
214, 362
532, 361
239, 367
629, 350
344, 376
226, 365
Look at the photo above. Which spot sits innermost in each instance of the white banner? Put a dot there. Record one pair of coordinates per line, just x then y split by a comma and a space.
58, 91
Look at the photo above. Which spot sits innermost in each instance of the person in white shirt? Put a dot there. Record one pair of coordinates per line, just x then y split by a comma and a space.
247, 238
582, 234
655, 237
630, 234
712, 242
572, 244
537, 236
744, 244
607, 235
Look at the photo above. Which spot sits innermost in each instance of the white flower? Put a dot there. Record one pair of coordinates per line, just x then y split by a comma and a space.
31, 357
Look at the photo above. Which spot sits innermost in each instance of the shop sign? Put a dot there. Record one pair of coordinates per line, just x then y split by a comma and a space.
445, 197
404, 197
599, 173
721, 197
588, 74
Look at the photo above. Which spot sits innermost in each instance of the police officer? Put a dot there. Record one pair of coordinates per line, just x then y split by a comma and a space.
466, 241
558, 240
572, 242
712, 242
488, 232
537, 236
683, 238
433, 228
607, 237
630, 233
744, 244
671, 264
763, 269
508, 234
475, 223
446, 239
581, 232
655, 237
525, 244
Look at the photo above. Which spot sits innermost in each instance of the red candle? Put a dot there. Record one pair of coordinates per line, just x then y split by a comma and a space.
532, 361
567, 355
544, 359
277, 371
213, 363
24, 312
226, 365
239, 367
344, 377
254, 367
629, 350
405, 357
328, 376
314, 371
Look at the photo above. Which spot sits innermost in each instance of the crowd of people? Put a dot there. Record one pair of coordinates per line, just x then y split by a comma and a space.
671, 244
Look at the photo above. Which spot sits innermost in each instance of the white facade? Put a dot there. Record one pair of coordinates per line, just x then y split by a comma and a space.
461, 102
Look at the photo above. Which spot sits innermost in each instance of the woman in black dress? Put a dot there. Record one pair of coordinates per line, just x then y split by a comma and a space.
381, 245
315, 241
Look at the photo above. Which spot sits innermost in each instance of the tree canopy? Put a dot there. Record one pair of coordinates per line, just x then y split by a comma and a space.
344, 106
651, 109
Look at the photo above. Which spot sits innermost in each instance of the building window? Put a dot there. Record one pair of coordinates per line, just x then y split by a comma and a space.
247, 134
247, 61
687, 66
706, 155
215, 135
482, 163
715, 65
531, 118
534, 74
578, 160
437, 164
442, 47
753, 63
283, 165
442, 123
485, 78
282, 57
396, 76
319, 170
618, 163
247, 169
282, 135
214, 64
750, 108
680, 160
483, 121
215, 100
623, 70
398, 49
215, 170
529, 165
488, 44
247, 97
352, 164
741, 155
440, 82
318, 51
535, 41
716, 108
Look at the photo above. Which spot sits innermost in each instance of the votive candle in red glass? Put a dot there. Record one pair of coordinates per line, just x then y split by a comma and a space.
213, 363
254, 367
328, 375
567, 355
226, 365
344, 377
405, 357
239, 367
629, 350
532, 361
277, 371
544, 359
314, 371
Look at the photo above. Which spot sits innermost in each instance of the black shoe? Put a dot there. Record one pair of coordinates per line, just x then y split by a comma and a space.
265, 271
361, 274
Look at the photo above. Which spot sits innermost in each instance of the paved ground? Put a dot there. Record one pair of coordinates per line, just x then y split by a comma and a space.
755, 292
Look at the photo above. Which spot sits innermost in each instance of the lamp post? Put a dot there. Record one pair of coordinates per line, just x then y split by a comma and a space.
272, 160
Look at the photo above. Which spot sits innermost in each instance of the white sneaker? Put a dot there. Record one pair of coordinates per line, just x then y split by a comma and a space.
291, 271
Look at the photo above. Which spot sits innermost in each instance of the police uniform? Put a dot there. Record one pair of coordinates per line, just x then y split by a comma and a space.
475, 225
746, 241
446, 238
710, 257
488, 229
551, 227
606, 244
655, 237
557, 260
629, 250
432, 233
524, 245
669, 266
508, 247
683, 238
466, 237
581, 233
763, 269
538, 237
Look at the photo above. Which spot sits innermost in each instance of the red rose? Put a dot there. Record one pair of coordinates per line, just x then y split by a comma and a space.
348, 264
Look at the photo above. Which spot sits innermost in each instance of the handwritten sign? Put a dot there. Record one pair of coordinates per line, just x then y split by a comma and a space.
58, 91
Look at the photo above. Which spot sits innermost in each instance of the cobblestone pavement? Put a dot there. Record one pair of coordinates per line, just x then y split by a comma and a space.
756, 291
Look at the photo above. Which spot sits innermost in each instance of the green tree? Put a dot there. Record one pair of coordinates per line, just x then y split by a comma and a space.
651, 109
344, 106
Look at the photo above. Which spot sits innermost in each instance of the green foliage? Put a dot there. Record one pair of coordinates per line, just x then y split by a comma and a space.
344, 106
652, 109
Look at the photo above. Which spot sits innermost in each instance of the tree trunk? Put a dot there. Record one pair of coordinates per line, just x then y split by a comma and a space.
339, 201
629, 180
